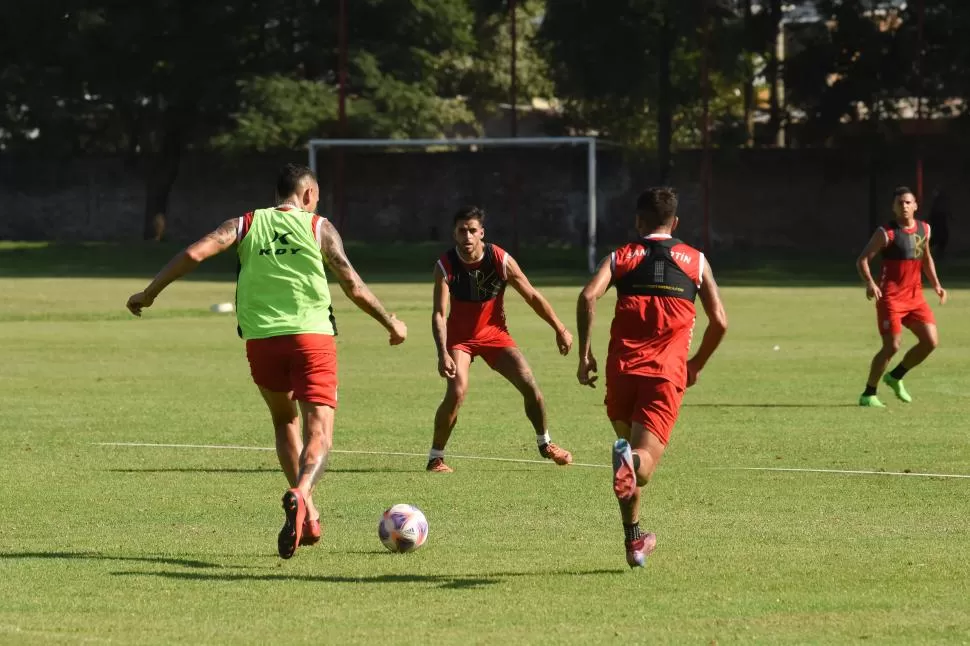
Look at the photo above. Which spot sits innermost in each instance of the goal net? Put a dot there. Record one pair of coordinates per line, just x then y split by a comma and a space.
534, 190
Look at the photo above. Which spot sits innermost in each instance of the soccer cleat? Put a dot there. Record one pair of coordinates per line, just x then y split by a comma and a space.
871, 401
637, 551
624, 474
897, 387
437, 465
311, 532
295, 509
555, 453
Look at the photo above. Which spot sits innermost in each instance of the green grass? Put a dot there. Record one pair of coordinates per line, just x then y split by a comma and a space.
163, 545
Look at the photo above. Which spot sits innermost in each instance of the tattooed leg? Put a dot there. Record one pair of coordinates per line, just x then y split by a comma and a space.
317, 442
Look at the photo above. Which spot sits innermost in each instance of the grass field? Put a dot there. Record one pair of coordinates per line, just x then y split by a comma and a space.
129, 544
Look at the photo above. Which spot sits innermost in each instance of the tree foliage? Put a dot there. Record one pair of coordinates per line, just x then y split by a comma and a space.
155, 78
635, 78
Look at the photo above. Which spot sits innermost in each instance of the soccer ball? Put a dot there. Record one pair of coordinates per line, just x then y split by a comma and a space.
403, 528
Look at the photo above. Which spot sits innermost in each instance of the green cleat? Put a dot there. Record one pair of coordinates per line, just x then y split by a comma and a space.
871, 401
898, 387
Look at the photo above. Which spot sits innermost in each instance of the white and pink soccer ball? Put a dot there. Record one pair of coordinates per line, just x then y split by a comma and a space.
403, 528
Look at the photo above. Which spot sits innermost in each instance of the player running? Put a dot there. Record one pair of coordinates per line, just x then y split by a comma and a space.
657, 279
471, 278
286, 317
905, 249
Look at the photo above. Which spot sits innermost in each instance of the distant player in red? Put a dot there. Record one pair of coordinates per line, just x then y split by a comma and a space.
470, 280
904, 245
647, 370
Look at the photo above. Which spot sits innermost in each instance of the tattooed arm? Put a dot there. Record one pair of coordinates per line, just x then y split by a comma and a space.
333, 253
184, 262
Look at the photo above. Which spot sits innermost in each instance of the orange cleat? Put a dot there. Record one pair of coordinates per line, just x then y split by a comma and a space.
437, 465
295, 509
555, 453
311, 532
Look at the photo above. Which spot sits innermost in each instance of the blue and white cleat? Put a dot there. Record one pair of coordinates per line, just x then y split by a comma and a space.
637, 551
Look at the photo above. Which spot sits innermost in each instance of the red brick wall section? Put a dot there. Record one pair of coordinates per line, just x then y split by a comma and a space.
804, 199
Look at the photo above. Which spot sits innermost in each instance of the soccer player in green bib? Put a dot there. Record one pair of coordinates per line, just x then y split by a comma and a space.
286, 318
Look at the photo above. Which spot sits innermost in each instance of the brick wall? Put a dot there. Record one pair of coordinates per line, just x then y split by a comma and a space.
808, 199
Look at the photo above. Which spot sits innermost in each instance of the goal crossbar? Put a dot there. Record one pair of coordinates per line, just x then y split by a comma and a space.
482, 142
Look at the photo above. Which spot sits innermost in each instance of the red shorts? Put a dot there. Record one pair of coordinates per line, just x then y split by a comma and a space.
891, 317
654, 402
304, 365
488, 349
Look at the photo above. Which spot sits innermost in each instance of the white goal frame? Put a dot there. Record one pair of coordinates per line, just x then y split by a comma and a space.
481, 142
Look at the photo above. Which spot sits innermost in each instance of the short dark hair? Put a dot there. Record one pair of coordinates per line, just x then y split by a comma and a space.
900, 191
290, 179
469, 213
657, 206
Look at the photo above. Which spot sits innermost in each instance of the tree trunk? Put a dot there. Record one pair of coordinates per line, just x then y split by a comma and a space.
665, 111
748, 78
774, 70
877, 168
161, 169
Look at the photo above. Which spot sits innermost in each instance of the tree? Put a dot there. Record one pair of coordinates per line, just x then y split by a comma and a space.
633, 77
774, 69
854, 67
604, 71
156, 78
941, 71
486, 77
148, 80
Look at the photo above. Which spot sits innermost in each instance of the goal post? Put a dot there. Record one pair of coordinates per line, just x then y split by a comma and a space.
590, 143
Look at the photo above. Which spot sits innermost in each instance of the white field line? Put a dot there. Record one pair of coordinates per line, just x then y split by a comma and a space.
850, 472
53, 634
229, 447
386, 453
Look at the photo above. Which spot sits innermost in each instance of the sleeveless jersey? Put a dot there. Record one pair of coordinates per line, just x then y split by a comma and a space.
656, 280
902, 260
282, 288
477, 310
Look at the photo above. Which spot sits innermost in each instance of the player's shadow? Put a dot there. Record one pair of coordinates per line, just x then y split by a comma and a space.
375, 469
97, 556
233, 470
448, 582
195, 470
736, 405
441, 581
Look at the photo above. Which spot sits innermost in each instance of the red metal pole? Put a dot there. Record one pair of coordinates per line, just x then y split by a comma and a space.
513, 71
920, 17
342, 69
706, 131
339, 183
514, 123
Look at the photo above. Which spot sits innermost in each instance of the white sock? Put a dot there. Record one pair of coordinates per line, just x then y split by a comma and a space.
436, 453
543, 439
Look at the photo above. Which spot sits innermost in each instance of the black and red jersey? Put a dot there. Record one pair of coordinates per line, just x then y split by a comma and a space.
902, 260
656, 280
477, 289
